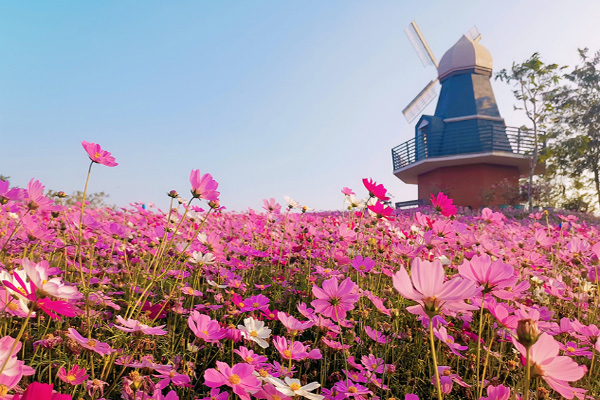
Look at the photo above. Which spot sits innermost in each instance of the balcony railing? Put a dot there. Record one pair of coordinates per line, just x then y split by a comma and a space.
482, 139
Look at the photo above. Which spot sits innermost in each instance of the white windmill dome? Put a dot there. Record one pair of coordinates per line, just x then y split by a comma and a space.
466, 54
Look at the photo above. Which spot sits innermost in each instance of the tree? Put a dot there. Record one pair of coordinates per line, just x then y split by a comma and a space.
578, 107
533, 81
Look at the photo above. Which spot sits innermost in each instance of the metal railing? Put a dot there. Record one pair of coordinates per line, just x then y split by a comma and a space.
481, 139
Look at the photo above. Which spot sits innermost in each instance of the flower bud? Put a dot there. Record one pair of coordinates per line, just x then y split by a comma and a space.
527, 332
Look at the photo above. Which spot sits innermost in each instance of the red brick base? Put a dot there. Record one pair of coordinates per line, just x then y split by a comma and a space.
473, 185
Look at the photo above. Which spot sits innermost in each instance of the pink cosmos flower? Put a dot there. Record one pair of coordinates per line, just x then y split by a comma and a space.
269, 392
39, 275
98, 155
443, 204
26, 291
205, 328
347, 191
169, 374
240, 378
90, 344
250, 357
292, 324
295, 351
14, 369
376, 335
6, 193
36, 200
216, 394
363, 264
492, 275
204, 186
132, 325
75, 376
335, 300
348, 390
499, 392
442, 334
375, 190
426, 286
447, 378
554, 369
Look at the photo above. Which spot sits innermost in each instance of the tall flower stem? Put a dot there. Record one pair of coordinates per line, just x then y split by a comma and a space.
479, 384
87, 181
434, 357
16, 342
527, 377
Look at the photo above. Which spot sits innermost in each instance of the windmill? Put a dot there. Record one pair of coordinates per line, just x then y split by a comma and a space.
429, 92
465, 149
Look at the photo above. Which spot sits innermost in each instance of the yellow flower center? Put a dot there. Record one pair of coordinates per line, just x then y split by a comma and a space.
374, 366
570, 349
275, 397
240, 304
362, 268
71, 377
254, 334
3, 390
263, 373
190, 290
205, 332
287, 353
352, 389
97, 155
234, 379
92, 343
12, 306
255, 305
294, 386
249, 359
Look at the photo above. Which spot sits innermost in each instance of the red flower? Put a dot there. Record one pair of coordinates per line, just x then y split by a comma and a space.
375, 190
443, 204
98, 155
379, 210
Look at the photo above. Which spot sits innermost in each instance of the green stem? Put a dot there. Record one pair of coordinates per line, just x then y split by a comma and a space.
527, 377
434, 357
16, 342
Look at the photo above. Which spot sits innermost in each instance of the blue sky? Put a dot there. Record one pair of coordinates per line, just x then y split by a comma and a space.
273, 98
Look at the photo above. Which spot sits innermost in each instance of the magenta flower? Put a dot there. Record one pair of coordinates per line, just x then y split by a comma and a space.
443, 204
293, 351
376, 335
205, 328
251, 357
98, 155
204, 186
375, 190
41, 391
426, 286
448, 340
36, 200
168, 374
132, 325
554, 369
380, 210
90, 344
363, 264
335, 300
75, 376
240, 378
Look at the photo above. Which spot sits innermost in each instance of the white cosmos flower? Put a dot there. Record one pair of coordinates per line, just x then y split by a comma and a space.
291, 202
256, 331
353, 202
215, 284
291, 387
199, 258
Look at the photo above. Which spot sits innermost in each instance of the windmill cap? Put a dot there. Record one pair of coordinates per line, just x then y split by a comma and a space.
465, 55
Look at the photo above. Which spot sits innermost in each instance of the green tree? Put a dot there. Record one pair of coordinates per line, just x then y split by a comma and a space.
533, 81
578, 107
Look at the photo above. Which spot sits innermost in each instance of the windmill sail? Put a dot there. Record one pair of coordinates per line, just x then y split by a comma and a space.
418, 104
421, 47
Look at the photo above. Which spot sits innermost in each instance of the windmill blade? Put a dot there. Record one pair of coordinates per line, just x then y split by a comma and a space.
421, 47
474, 34
418, 104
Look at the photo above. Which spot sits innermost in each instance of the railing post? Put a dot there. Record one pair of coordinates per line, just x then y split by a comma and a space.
407, 153
519, 141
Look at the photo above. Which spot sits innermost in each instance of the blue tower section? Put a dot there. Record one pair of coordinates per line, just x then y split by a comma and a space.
466, 119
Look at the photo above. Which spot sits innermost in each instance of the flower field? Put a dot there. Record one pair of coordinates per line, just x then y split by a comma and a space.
199, 303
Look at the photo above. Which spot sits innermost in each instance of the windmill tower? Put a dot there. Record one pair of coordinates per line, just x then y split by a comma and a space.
465, 149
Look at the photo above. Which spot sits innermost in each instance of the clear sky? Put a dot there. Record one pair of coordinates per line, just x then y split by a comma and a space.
273, 98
